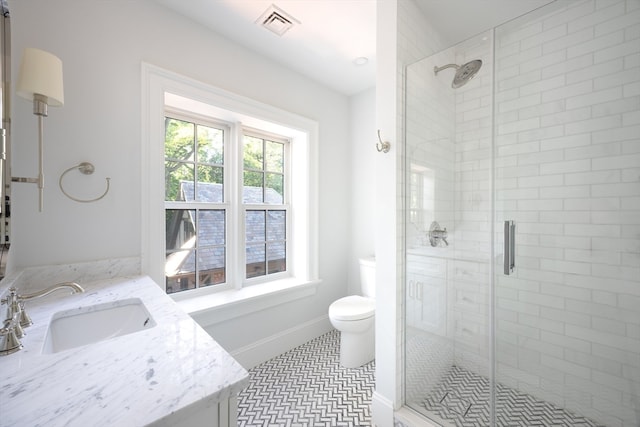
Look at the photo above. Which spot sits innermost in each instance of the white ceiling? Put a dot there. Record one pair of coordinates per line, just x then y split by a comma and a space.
332, 33
458, 20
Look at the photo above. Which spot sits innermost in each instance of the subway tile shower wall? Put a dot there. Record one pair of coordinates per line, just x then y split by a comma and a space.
567, 136
469, 270
559, 127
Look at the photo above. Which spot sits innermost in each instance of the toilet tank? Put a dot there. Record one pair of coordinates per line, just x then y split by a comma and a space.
368, 277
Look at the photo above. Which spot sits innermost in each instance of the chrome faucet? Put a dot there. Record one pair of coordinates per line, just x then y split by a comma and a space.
75, 288
17, 318
14, 309
11, 331
9, 341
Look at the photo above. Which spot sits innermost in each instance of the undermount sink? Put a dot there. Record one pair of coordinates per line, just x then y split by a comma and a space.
91, 324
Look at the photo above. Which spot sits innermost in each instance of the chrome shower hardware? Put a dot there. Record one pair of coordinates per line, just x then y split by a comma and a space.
436, 235
509, 247
464, 72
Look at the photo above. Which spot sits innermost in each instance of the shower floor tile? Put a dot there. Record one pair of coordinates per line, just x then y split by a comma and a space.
463, 399
307, 386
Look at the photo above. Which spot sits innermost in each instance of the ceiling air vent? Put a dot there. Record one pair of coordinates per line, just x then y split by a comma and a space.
277, 20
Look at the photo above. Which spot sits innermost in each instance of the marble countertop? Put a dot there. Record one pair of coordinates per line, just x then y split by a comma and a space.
156, 376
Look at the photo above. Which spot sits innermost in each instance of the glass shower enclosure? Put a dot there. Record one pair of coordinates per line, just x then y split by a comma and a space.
522, 222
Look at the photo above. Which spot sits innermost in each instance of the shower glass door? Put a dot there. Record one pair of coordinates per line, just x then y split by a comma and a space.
448, 233
567, 172
546, 135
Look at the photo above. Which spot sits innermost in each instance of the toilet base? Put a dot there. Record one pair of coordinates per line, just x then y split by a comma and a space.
356, 349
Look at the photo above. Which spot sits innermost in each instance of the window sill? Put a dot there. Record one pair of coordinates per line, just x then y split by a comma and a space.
225, 305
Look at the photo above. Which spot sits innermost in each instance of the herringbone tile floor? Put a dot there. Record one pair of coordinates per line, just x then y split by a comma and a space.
463, 398
307, 387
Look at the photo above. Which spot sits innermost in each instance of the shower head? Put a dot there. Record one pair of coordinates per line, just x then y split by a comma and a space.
464, 73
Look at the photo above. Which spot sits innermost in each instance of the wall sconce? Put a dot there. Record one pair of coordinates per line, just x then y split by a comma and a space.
40, 80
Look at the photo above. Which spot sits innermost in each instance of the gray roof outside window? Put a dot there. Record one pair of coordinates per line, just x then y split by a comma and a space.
211, 231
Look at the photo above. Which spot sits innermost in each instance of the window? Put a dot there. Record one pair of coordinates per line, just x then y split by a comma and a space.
263, 198
195, 208
421, 195
230, 200
198, 201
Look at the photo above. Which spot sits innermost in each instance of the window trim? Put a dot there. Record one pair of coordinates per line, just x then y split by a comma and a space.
158, 82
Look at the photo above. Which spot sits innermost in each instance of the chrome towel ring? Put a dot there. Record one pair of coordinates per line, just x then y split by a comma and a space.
87, 169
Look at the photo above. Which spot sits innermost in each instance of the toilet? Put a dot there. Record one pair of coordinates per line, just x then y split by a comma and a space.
354, 317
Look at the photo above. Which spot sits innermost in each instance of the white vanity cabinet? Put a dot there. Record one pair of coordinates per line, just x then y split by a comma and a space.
220, 414
427, 294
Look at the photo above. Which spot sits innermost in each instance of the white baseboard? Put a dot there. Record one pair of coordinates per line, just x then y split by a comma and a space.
381, 411
267, 348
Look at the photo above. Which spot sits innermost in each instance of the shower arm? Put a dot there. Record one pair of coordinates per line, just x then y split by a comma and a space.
436, 70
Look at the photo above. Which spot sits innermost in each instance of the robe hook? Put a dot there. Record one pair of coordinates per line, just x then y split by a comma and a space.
382, 147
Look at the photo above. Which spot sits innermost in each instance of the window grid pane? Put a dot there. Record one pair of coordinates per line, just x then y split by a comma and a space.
256, 260
211, 266
196, 248
178, 281
253, 153
210, 145
253, 187
274, 191
265, 240
264, 172
277, 257
195, 237
210, 186
275, 156
276, 241
179, 140
209, 164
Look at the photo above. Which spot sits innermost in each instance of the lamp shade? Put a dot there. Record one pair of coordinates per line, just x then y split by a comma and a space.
41, 74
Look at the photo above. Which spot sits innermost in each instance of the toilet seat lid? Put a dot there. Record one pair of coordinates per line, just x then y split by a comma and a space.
353, 307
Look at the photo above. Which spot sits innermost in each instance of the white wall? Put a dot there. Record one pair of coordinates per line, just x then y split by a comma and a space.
363, 178
102, 45
386, 396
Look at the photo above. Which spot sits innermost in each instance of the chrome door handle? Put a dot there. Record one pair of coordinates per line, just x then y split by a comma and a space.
509, 247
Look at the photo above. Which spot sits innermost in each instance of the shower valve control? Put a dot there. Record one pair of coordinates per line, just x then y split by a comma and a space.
436, 235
